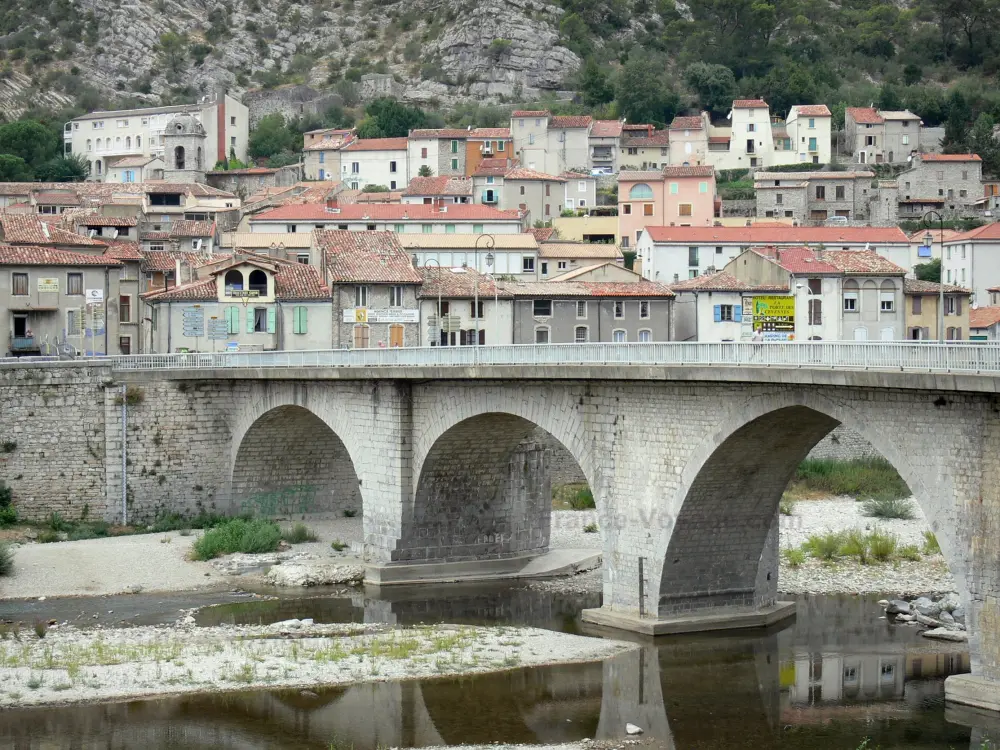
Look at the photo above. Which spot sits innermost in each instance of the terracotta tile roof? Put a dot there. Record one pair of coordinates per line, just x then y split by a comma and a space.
778, 235
636, 126
318, 213
691, 122
196, 189
377, 144
984, 317
987, 232
187, 228
797, 260
154, 236
571, 121
903, 114
579, 271
372, 257
123, 250
131, 161
49, 256
457, 282
57, 199
917, 286
393, 196
578, 250
860, 262
452, 133
723, 282
523, 173
442, 241
298, 281
202, 290
541, 234
265, 240
606, 129
936, 235
749, 103
546, 289
501, 133
812, 110
530, 113
28, 229
950, 157
327, 144
494, 167
719, 139
659, 139
96, 220
165, 260
682, 171
442, 185
865, 115
628, 175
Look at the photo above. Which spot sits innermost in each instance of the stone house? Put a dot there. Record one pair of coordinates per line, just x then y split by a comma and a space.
321, 159
921, 304
688, 140
710, 307
876, 137
375, 161
949, 183
249, 181
180, 235
338, 136
441, 190
57, 301
813, 198
105, 228
140, 168
486, 143
443, 151
549, 143
605, 138
374, 287
246, 302
449, 313
683, 196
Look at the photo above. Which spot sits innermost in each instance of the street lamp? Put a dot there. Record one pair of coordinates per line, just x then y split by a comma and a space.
927, 218
489, 244
438, 266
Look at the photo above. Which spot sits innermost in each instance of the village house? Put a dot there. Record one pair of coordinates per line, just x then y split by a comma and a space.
321, 159
180, 235
486, 143
645, 152
597, 225
460, 307
972, 259
559, 257
876, 137
443, 151
599, 271
283, 245
984, 324
711, 307
374, 287
926, 245
672, 254
922, 300
334, 135
28, 229
375, 161
134, 168
813, 198
508, 255
392, 217
948, 183
838, 294
688, 140
442, 190
681, 196
605, 138
805, 138
245, 182
551, 144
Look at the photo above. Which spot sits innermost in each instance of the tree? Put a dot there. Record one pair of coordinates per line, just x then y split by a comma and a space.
72, 168
982, 141
14, 169
957, 125
889, 99
388, 118
425, 171
272, 137
715, 85
643, 95
173, 49
374, 189
929, 271
595, 86
30, 140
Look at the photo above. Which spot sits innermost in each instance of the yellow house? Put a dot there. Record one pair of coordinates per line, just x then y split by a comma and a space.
921, 300
586, 228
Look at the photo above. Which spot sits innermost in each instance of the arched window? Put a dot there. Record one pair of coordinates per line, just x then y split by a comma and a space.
887, 297
815, 312
258, 282
138, 141
234, 281
852, 303
361, 336
90, 167
118, 142
98, 163
581, 335
179, 157
641, 192
107, 143
687, 148
197, 161
90, 145
128, 141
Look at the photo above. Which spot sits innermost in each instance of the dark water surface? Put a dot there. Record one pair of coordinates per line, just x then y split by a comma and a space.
839, 674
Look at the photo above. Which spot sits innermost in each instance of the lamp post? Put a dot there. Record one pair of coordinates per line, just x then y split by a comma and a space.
927, 218
489, 244
438, 267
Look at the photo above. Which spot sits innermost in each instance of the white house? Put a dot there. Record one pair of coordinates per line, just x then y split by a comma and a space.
711, 307
514, 255
807, 136
972, 259
751, 141
459, 307
375, 161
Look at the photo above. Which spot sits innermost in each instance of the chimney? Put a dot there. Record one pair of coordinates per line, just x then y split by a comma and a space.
177, 272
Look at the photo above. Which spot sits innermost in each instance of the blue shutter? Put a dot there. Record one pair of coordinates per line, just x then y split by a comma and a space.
232, 320
738, 313
717, 312
250, 317
299, 320
271, 319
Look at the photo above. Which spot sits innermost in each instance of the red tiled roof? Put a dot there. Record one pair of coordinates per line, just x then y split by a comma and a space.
936, 235
530, 113
155, 235
749, 103
441, 185
865, 115
628, 175
812, 110
328, 144
523, 173
719, 139
571, 121
657, 140
796, 260
165, 260
318, 213
990, 232
692, 122
123, 250
247, 171
377, 144
201, 290
866, 262
28, 229
917, 286
457, 282
543, 289
453, 133
96, 220
24, 255
950, 157
606, 129
188, 228
778, 235
984, 317
541, 234
500, 133
57, 199
681, 171
393, 196
722, 281
372, 257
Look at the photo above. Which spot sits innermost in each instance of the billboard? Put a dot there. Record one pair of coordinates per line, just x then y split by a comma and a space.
772, 315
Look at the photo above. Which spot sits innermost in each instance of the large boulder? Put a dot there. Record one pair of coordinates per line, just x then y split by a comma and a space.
314, 574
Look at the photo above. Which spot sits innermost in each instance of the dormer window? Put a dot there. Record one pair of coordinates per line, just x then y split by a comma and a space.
234, 282
258, 282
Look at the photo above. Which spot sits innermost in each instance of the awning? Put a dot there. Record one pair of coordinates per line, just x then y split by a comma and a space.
33, 309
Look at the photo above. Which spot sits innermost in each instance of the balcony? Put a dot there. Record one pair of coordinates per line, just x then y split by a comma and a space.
23, 345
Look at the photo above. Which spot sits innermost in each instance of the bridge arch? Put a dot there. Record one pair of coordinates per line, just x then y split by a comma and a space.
722, 545
288, 460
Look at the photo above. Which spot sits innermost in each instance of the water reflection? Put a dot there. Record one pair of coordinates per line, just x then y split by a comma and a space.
838, 675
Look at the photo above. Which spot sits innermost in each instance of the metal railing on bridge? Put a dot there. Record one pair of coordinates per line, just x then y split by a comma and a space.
882, 355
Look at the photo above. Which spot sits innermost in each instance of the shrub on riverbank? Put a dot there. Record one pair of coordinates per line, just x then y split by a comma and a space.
298, 534
6, 559
872, 547
860, 479
888, 507
237, 535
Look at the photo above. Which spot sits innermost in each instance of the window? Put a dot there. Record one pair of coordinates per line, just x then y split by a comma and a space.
851, 301
531, 139
820, 192
581, 334
683, 209
542, 335
940, 174
361, 336
427, 228
355, 167
538, 122
19, 284
477, 228
291, 228
259, 320
647, 209
581, 309
125, 344
522, 189
476, 311
692, 256
399, 228
454, 147
423, 153
124, 308
815, 312
815, 286
545, 268
644, 309
395, 296
454, 164
839, 192
965, 174
963, 193
674, 188
641, 192
724, 314
361, 296
500, 145
627, 209
718, 249
74, 322
302, 258
887, 302
619, 336
74, 283
625, 240
779, 199
918, 304
527, 264
300, 319
581, 186
542, 308
869, 140
619, 308
906, 140
751, 128
949, 305
392, 167
547, 191
449, 229
258, 282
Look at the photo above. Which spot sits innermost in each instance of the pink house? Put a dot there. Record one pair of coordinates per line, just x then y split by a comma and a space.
673, 196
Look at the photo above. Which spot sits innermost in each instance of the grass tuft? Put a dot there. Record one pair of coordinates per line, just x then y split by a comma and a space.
338, 546
787, 506
888, 507
857, 544
883, 545
6, 559
582, 499
910, 552
590, 528
298, 534
824, 546
931, 546
41, 628
860, 478
238, 535
794, 557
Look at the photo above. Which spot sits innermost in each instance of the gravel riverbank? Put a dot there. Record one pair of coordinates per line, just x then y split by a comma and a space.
74, 666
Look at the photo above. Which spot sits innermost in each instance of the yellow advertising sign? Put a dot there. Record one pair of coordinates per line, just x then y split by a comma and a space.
48, 284
360, 315
774, 307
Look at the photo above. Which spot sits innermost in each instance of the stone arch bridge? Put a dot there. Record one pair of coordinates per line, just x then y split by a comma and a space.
686, 464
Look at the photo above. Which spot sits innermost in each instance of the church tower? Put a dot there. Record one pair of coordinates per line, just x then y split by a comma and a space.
184, 149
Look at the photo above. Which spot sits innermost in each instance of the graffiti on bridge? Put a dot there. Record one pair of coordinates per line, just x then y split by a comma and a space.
297, 498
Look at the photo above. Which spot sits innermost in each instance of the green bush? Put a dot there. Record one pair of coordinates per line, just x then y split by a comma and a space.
8, 516
338, 546
298, 534
882, 545
590, 528
856, 544
238, 535
48, 536
910, 552
57, 523
861, 478
787, 506
582, 500
824, 546
888, 507
794, 557
6, 559
931, 546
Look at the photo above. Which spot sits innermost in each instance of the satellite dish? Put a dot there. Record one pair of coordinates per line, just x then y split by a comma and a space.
975, 305
909, 158
67, 350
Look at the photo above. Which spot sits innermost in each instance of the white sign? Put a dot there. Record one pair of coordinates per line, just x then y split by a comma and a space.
387, 315
49, 284
95, 296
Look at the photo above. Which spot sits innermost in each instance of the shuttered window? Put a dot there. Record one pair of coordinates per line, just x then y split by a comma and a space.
300, 319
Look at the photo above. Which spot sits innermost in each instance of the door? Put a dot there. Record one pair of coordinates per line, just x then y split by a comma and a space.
887, 334
20, 326
395, 335
860, 333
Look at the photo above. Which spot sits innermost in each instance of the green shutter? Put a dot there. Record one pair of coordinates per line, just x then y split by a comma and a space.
477, 228
300, 320
232, 320
250, 317
272, 317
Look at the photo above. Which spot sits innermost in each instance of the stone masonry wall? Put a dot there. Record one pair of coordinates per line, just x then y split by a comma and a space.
563, 468
844, 444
